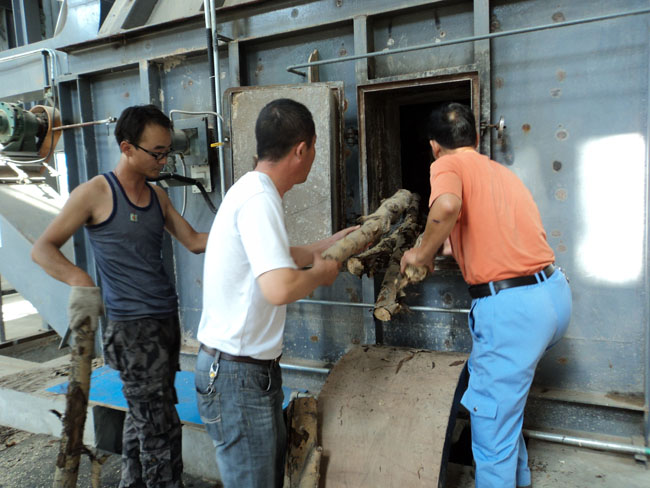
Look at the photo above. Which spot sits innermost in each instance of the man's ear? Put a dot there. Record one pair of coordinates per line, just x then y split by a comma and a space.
435, 148
301, 149
126, 147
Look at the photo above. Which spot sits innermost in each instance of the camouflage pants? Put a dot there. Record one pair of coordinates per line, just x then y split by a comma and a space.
146, 353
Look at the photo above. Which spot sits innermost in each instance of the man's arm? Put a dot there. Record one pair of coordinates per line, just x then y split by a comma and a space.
178, 227
46, 250
286, 285
304, 255
440, 222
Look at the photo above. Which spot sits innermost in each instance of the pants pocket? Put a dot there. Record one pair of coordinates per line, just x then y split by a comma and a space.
479, 405
209, 405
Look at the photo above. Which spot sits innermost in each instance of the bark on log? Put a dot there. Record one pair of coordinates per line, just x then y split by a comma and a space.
373, 226
391, 292
303, 454
377, 257
71, 446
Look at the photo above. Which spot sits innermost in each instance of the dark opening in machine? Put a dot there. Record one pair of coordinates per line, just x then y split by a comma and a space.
393, 119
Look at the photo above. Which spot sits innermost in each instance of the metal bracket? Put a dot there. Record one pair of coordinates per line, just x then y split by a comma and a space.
500, 126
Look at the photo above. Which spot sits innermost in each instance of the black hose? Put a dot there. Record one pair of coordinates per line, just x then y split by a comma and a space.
191, 181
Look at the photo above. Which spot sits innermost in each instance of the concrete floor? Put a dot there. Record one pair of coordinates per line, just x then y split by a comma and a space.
27, 460
554, 465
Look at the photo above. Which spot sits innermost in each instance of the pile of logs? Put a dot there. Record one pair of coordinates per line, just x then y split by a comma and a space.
387, 252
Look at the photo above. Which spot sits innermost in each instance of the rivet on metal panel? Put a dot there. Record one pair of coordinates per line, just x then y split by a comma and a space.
561, 135
556, 92
556, 233
525, 128
557, 165
561, 248
338, 3
294, 13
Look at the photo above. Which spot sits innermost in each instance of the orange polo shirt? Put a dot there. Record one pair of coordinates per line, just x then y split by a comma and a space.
499, 232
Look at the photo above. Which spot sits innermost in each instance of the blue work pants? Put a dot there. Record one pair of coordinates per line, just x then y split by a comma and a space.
511, 331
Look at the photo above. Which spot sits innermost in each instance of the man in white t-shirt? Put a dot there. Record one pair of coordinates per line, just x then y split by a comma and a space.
250, 274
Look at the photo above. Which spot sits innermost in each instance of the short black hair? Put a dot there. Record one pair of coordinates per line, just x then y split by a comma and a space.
134, 119
280, 125
452, 125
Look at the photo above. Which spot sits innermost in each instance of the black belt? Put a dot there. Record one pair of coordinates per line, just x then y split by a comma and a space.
240, 359
480, 291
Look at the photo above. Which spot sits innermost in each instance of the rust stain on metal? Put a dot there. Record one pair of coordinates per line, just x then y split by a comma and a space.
498, 82
558, 17
561, 194
560, 75
495, 25
126, 95
526, 128
563, 361
314, 338
343, 51
561, 248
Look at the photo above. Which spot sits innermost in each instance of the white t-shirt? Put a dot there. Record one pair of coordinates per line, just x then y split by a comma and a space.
248, 238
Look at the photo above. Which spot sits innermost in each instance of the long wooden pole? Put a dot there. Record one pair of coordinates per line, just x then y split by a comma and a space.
74, 420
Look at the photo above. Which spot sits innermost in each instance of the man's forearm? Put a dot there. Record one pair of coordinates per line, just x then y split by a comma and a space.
58, 266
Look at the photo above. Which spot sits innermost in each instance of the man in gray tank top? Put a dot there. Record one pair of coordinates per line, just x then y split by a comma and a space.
124, 217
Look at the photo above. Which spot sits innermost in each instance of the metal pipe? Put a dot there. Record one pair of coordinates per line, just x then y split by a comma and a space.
187, 112
417, 308
3, 337
109, 120
308, 369
461, 40
589, 443
217, 89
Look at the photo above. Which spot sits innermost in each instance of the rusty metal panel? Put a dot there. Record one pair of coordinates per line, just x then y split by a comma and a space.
311, 209
386, 416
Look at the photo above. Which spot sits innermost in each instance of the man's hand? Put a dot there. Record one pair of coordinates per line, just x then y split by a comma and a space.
85, 302
410, 257
327, 269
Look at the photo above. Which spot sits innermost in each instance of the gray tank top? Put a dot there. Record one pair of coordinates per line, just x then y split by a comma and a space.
128, 252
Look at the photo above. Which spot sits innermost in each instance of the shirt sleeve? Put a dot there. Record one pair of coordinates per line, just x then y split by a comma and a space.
260, 223
445, 178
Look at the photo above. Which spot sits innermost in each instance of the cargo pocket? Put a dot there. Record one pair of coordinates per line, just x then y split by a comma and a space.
479, 405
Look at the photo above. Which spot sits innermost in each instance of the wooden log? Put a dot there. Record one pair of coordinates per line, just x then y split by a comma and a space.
391, 292
71, 445
372, 226
303, 453
414, 274
377, 257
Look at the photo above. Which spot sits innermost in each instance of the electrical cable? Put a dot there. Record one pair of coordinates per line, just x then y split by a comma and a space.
191, 181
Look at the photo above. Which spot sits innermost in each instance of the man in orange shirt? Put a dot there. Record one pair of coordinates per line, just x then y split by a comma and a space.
521, 302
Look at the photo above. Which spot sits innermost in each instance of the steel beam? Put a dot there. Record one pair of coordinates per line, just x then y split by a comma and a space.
27, 21
2, 321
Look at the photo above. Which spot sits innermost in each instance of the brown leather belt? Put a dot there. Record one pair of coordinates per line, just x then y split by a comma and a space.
483, 290
240, 359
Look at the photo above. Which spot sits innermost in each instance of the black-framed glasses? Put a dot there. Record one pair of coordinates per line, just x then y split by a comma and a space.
156, 155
